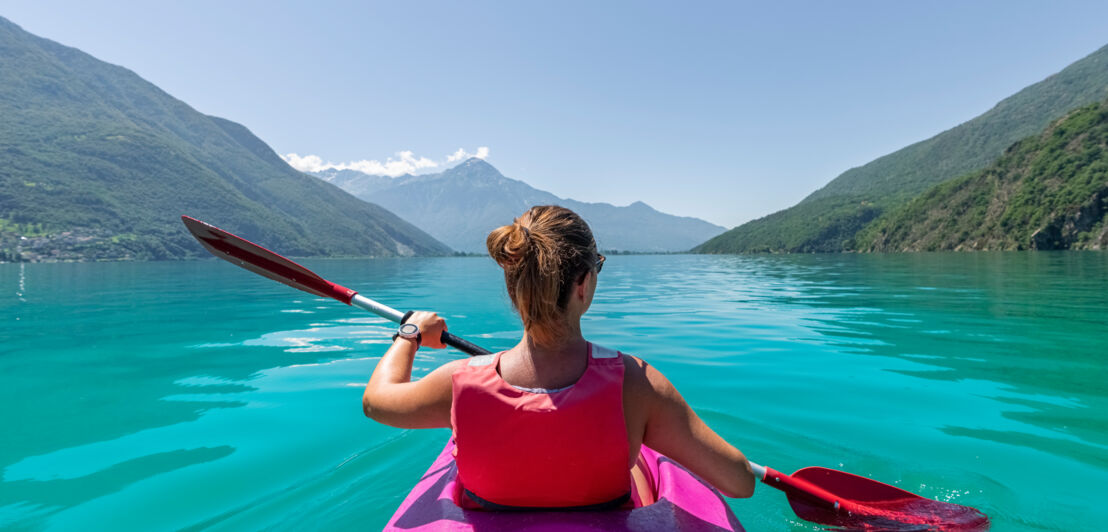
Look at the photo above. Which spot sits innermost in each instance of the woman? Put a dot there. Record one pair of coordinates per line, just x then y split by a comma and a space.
554, 422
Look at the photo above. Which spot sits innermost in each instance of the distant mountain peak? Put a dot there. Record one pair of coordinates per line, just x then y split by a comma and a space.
462, 204
477, 163
473, 167
473, 171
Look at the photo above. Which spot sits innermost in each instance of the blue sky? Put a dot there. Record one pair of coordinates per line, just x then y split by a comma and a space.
727, 111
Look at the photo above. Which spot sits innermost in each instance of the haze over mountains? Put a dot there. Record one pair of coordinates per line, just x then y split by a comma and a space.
461, 205
830, 218
97, 163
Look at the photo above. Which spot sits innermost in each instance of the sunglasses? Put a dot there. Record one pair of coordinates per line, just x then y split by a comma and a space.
599, 264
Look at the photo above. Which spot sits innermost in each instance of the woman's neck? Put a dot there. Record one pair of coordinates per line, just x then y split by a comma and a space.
545, 364
567, 345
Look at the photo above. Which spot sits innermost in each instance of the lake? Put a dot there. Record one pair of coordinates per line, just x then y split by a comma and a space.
197, 395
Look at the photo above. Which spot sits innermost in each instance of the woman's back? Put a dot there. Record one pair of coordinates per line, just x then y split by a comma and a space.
531, 447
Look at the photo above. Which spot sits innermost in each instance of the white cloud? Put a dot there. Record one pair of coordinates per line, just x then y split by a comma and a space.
461, 154
404, 162
307, 163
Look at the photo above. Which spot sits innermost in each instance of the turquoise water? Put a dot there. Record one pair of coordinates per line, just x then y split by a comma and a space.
196, 395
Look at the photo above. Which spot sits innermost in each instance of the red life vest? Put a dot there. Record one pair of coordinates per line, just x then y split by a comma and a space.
541, 449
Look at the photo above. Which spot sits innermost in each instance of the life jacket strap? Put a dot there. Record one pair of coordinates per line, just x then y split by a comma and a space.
613, 504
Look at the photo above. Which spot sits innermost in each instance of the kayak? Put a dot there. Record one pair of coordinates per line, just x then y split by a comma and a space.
673, 499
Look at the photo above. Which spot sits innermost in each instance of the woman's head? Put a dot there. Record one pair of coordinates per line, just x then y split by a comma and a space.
545, 254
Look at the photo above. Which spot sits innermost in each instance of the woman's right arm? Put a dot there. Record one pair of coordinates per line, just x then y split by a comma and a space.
392, 398
674, 429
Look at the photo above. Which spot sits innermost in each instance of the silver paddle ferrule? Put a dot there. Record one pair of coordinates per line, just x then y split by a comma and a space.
384, 311
759, 471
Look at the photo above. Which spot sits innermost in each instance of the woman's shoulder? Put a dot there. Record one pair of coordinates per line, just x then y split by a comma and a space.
450, 368
476, 362
643, 379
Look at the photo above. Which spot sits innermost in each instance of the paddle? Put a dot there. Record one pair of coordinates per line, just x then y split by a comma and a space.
835, 498
269, 264
816, 494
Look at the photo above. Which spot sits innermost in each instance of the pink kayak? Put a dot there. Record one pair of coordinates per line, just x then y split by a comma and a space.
682, 502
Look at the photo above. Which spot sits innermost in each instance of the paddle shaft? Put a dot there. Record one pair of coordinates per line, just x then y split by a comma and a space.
392, 314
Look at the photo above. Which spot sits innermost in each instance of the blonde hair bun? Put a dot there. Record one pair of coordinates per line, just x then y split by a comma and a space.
543, 253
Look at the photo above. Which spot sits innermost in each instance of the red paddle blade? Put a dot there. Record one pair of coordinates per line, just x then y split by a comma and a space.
871, 505
263, 262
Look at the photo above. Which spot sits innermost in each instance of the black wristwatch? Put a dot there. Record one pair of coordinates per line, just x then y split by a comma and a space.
409, 331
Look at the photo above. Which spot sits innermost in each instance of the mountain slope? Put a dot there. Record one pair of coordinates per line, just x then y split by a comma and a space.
97, 163
461, 205
1049, 191
828, 219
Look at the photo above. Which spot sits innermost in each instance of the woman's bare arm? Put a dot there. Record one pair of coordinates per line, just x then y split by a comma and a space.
393, 399
674, 429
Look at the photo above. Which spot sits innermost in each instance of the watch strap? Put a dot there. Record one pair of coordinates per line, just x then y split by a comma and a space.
418, 338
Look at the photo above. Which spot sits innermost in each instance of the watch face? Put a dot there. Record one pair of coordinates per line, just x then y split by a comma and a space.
409, 329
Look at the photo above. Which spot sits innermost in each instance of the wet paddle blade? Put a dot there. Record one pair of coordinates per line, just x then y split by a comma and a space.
871, 505
263, 262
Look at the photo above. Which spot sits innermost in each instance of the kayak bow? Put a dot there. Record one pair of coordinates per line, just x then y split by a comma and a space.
677, 500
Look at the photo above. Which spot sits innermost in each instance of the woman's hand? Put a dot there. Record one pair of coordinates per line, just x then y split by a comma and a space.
431, 327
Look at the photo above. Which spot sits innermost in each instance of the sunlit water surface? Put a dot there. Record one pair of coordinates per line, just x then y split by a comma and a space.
196, 395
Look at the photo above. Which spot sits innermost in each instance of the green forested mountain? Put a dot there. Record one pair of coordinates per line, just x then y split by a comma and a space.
828, 219
1049, 191
97, 163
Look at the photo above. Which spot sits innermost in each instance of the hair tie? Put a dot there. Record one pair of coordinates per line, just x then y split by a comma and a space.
526, 232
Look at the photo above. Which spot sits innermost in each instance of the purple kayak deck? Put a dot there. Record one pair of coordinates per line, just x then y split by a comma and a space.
684, 502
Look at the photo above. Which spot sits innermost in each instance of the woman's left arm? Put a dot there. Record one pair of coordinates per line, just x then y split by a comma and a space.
393, 399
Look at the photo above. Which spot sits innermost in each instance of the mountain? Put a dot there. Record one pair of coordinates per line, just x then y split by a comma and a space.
461, 205
829, 218
97, 163
1049, 191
